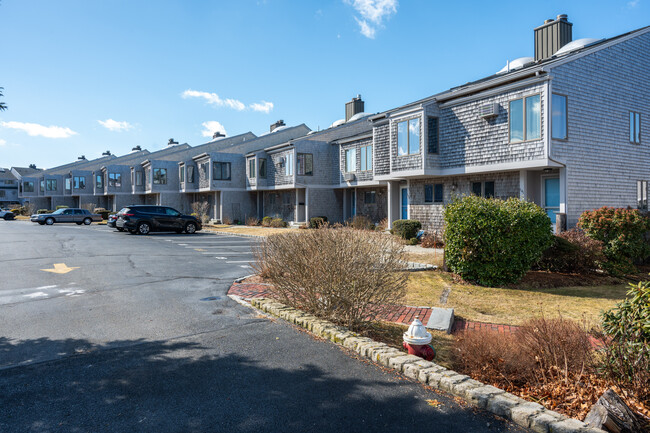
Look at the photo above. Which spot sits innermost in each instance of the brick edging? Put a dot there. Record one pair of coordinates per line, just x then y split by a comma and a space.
495, 400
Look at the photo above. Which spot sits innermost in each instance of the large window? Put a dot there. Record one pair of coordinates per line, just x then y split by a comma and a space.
221, 170
138, 178
370, 197
251, 168
263, 168
181, 173
428, 193
525, 119
635, 127
190, 173
50, 185
79, 182
115, 179
433, 134
350, 160
68, 184
99, 181
159, 176
408, 137
486, 188
305, 164
438, 193
203, 170
28, 186
366, 158
642, 194
559, 121
288, 167
42, 186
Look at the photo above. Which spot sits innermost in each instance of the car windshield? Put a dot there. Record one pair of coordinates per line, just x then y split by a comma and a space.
59, 211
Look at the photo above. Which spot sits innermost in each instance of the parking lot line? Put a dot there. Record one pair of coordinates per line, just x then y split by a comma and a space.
242, 261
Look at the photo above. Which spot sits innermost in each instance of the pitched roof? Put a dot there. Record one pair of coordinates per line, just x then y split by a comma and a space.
26, 171
5, 173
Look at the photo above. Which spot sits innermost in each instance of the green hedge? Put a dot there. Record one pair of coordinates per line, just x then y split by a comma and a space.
406, 229
494, 242
61, 207
266, 221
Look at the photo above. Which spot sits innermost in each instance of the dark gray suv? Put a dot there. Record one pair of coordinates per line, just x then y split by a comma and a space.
143, 219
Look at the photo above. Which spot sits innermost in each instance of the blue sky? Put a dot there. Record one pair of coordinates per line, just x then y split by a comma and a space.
82, 77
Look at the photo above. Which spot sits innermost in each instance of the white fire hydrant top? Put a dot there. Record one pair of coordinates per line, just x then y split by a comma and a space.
417, 334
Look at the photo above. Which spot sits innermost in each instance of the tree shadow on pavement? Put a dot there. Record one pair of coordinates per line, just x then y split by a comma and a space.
133, 386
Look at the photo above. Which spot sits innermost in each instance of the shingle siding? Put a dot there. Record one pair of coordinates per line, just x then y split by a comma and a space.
601, 89
381, 142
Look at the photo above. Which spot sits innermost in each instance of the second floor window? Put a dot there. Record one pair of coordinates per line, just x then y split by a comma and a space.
50, 184
159, 176
68, 184
115, 179
635, 127
559, 118
263, 168
366, 158
190, 174
408, 137
251, 168
350, 160
181, 174
99, 181
203, 170
525, 119
42, 186
28, 186
221, 170
305, 164
79, 182
288, 167
138, 178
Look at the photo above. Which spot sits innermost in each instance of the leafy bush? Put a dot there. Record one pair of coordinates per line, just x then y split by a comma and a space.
406, 229
494, 242
278, 222
61, 207
266, 221
317, 222
622, 232
626, 354
343, 275
42, 211
572, 251
16, 211
432, 240
104, 213
413, 241
361, 222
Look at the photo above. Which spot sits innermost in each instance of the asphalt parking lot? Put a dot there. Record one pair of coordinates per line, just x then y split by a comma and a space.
105, 331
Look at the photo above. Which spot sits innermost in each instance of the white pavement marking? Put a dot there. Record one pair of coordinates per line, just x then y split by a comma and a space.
242, 261
245, 266
36, 295
228, 253
44, 292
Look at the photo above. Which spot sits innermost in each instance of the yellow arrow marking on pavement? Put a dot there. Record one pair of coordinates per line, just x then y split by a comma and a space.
199, 249
60, 268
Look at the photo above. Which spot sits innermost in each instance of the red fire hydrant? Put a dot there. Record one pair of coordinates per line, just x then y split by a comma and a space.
417, 339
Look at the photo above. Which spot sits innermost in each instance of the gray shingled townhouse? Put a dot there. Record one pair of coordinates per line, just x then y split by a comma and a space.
562, 129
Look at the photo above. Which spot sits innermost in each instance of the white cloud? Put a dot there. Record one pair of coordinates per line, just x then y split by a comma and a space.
213, 98
212, 126
373, 13
632, 4
114, 125
235, 104
35, 130
263, 106
3, 142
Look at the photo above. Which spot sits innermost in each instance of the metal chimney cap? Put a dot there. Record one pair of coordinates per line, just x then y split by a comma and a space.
562, 17
550, 20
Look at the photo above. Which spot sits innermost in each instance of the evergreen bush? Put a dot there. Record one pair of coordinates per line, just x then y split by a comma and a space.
406, 229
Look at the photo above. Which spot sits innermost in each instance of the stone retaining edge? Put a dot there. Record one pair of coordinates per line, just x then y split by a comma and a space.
522, 412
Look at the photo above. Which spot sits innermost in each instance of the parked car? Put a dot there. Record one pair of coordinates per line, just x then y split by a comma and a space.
7, 215
143, 219
112, 218
67, 215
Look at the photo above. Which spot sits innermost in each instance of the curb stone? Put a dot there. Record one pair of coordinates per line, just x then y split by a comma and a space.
522, 412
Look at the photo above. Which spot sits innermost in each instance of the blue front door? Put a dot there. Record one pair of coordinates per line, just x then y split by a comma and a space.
552, 197
405, 203
353, 202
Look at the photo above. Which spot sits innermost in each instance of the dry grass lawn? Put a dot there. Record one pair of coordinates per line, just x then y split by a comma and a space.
248, 230
513, 305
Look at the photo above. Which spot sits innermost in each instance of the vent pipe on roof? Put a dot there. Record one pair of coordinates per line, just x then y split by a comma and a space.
32, 166
217, 135
353, 107
82, 158
107, 153
171, 142
551, 36
136, 148
277, 124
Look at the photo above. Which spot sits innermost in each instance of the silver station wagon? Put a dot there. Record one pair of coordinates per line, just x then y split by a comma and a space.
67, 215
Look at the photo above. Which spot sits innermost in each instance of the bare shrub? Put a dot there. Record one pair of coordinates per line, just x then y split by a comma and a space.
201, 208
342, 275
361, 222
278, 223
90, 207
252, 221
266, 221
572, 251
226, 220
382, 225
433, 240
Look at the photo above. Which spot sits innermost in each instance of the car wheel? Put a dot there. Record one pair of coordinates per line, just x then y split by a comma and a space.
78, 223
120, 229
49, 221
144, 228
87, 221
190, 228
